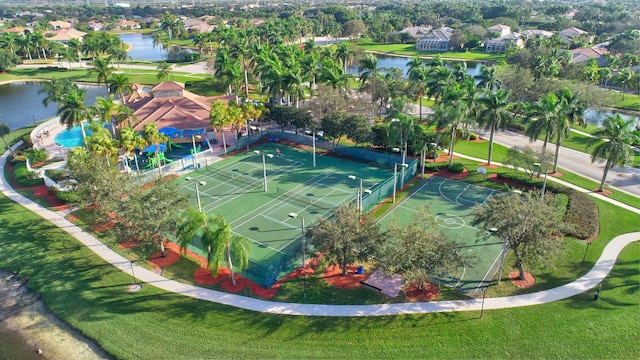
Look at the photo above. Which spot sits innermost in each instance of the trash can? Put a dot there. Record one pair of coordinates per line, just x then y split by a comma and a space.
360, 270
198, 165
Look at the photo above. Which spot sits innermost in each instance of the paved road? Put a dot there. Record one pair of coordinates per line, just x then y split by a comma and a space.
626, 179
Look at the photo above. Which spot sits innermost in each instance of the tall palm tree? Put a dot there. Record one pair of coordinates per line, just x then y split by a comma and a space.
494, 115
54, 90
294, 83
368, 68
439, 81
102, 67
101, 143
488, 78
164, 72
72, 110
345, 55
119, 85
451, 113
158, 41
75, 46
106, 109
544, 114
220, 243
129, 141
624, 79
613, 143
4, 131
419, 75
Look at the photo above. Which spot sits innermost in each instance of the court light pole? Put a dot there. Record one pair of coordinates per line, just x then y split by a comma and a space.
395, 178
304, 272
195, 153
264, 166
359, 197
197, 190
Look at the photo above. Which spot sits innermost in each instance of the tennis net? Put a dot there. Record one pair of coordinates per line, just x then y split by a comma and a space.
240, 178
307, 200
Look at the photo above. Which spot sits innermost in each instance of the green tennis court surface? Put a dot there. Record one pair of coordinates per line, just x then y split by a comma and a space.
234, 187
451, 203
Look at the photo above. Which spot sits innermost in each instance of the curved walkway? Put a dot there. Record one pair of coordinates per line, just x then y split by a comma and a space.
600, 270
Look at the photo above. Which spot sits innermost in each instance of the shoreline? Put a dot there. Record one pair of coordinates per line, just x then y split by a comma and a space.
25, 315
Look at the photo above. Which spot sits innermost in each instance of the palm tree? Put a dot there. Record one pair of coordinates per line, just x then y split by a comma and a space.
624, 79
494, 115
345, 55
219, 119
4, 131
119, 85
72, 110
488, 78
220, 244
153, 137
129, 141
418, 74
106, 109
158, 41
101, 143
75, 46
544, 114
368, 68
164, 71
452, 113
102, 67
439, 81
55, 90
613, 142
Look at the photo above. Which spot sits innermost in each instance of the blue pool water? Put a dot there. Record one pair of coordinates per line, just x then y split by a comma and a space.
71, 138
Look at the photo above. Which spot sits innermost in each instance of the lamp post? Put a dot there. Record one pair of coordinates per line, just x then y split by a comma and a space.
197, 190
304, 272
395, 178
584, 257
195, 153
544, 183
360, 193
264, 166
135, 282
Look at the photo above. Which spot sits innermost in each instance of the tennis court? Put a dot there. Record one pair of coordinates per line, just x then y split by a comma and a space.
234, 187
451, 203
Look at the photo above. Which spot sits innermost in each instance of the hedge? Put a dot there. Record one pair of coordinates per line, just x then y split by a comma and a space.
25, 177
581, 212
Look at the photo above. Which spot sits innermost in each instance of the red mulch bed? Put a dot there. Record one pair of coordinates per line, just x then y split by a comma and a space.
127, 245
528, 281
203, 276
604, 192
451, 175
485, 165
413, 292
41, 191
103, 227
170, 258
333, 276
510, 183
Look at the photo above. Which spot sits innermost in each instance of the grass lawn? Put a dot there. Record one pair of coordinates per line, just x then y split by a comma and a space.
150, 324
410, 50
630, 102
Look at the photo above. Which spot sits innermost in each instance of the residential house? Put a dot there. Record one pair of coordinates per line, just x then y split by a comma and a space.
57, 25
96, 26
127, 25
197, 26
503, 43
597, 52
568, 34
64, 35
534, 33
499, 30
416, 31
437, 40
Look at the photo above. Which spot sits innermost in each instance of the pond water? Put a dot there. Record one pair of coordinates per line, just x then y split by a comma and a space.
141, 48
385, 61
596, 117
21, 105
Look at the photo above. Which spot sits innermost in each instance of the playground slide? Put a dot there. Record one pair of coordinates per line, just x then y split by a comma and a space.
177, 146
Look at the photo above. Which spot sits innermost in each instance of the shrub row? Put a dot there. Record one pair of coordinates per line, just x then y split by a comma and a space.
56, 174
66, 197
25, 177
582, 211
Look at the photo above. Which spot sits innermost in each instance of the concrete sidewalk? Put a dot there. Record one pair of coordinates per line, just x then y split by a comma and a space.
600, 270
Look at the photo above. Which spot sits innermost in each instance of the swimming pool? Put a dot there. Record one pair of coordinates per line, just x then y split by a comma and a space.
71, 138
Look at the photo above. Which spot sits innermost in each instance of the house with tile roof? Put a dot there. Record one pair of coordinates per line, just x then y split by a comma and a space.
437, 40
170, 105
499, 30
598, 52
127, 25
64, 35
57, 25
416, 31
503, 43
569, 33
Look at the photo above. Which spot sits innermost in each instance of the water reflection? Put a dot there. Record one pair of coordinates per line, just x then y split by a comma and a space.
141, 48
21, 105
387, 62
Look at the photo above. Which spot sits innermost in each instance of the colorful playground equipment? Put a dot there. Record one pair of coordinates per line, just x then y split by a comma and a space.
155, 160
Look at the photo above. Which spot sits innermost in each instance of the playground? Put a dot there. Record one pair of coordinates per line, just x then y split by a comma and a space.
450, 202
272, 218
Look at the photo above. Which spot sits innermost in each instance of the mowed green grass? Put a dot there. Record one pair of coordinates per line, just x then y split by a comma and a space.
152, 324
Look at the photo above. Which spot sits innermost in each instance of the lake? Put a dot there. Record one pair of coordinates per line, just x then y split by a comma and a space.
141, 48
386, 61
21, 105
